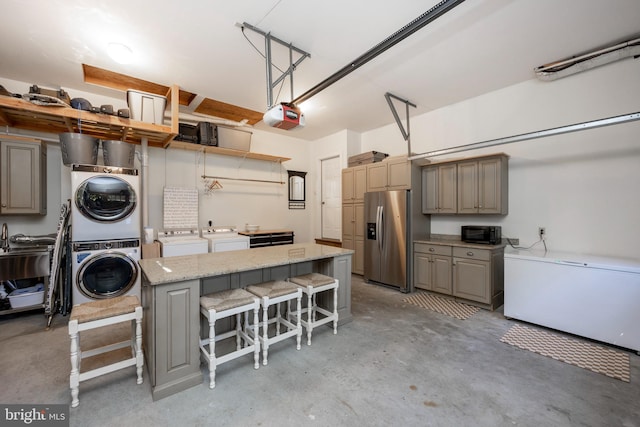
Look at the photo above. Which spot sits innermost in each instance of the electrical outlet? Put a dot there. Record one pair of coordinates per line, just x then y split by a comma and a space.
542, 232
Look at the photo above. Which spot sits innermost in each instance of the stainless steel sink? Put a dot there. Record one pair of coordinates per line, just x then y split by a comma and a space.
24, 263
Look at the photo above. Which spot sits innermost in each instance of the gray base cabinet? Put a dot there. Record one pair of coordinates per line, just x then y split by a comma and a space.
470, 274
432, 268
171, 336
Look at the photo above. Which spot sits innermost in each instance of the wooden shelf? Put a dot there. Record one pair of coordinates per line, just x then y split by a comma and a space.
21, 114
226, 151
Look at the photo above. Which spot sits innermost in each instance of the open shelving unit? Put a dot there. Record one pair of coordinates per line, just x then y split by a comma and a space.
21, 114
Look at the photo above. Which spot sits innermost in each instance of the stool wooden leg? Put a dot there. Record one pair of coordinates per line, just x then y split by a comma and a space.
265, 327
212, 350
278, 315
74, 378
256, 338
139, 356
310, 314
298, 324
335, 310
238, 329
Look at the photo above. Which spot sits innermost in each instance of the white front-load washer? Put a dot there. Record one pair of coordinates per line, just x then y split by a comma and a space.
225, 238
182, 242
105, 269
105, 203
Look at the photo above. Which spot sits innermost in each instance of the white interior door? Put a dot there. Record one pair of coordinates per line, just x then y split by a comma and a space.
331, 198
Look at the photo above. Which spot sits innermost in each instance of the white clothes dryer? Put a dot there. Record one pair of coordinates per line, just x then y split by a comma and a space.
182, 242
225, 238
105, 269
105, 203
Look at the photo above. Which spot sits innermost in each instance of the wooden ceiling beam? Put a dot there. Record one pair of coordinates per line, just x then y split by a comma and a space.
211, 107
113, 80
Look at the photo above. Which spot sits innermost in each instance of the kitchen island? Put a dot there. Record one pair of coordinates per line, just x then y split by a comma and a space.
171, 290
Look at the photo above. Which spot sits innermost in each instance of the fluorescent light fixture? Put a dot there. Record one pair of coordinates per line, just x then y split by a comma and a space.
120, 53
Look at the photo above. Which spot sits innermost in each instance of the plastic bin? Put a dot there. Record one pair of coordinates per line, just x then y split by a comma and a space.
146, 107
26, 297
234, 138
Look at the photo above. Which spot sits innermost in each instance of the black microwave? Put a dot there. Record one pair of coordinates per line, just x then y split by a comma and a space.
486, 234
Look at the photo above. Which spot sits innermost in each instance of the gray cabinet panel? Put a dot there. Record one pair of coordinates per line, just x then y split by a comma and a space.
176, 351
23, 175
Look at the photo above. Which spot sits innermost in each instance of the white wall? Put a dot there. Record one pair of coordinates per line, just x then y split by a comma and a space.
238, 202
581, 186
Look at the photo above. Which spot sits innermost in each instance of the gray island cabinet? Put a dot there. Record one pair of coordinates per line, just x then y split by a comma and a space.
171, 290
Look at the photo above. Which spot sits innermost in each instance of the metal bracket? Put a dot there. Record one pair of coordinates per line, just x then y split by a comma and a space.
271, 83
406, 134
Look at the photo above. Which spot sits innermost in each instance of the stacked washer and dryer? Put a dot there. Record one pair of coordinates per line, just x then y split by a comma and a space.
105, 232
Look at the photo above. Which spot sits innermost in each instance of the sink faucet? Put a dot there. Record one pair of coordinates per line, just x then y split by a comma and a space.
4, 239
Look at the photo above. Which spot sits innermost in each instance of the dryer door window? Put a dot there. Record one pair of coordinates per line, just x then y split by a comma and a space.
105, 199
107, 275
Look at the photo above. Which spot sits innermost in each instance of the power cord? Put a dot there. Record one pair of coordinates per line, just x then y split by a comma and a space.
544, 243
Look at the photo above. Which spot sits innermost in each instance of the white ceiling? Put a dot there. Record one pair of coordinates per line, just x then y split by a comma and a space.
479, 46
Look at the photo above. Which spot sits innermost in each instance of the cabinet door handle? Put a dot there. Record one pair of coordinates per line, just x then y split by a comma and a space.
431, 249
470, 253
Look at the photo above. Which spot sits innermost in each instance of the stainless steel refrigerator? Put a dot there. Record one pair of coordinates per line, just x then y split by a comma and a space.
388, 238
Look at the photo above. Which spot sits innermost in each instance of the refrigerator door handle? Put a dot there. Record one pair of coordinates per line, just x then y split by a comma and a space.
381, 228
378, 227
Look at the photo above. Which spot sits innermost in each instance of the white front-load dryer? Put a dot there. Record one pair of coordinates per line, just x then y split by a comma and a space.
106, 203
105, 269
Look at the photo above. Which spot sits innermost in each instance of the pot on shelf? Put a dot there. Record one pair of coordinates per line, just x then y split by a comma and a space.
118, 153
78, 148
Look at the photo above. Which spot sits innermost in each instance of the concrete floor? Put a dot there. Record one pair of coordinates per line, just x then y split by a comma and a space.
395, 365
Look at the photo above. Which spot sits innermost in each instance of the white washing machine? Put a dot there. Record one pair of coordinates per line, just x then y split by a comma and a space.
105, 269
105, 203
182, 242
225, 238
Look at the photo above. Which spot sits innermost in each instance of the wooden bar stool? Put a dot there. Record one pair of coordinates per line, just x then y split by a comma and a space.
312, 284
219, 305
97, 314
274, 293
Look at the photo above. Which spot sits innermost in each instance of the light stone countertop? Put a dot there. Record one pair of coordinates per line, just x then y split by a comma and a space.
180, 268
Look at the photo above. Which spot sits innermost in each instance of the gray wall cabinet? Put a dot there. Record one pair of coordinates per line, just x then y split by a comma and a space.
23, 175
477, 185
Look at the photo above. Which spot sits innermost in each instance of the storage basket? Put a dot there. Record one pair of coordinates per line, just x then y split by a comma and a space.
79, 148
27, 296
118, 153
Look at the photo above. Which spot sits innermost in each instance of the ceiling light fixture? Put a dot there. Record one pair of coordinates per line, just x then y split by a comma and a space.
120, 53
